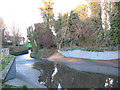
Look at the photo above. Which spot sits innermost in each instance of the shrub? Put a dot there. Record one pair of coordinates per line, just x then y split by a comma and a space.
43, 36
18, 50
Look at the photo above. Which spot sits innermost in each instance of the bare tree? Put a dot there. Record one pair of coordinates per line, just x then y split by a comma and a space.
16, 35
2, 31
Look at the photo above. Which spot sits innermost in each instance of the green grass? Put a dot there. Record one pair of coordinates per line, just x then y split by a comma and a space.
24, 87
28, 45
5, 62
84, 49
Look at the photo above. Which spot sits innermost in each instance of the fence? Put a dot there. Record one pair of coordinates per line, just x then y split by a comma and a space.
4, 52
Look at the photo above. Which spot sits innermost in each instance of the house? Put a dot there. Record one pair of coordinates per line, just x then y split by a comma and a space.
14, 40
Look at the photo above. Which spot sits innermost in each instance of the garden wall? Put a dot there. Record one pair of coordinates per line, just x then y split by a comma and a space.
4, 52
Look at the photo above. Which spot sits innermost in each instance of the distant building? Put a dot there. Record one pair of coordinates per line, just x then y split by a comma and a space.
14, 40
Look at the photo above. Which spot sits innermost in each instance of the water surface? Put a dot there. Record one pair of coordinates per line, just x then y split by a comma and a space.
54, 75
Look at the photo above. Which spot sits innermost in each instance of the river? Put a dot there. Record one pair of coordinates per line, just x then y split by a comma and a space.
38, 73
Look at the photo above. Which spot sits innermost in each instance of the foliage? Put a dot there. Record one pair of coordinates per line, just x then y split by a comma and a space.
75, 28
43, 37
30, 35
61, 28
47, 12
114, 32
62, 21
83, 31
95, 9
18, 50
76, 31
81, 10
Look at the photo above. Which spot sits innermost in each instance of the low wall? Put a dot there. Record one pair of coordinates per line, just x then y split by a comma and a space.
106, 55
4, 52
10, 70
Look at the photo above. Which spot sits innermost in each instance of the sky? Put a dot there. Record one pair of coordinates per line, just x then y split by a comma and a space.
23, 13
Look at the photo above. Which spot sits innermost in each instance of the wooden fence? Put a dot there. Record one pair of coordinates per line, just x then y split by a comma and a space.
4, 52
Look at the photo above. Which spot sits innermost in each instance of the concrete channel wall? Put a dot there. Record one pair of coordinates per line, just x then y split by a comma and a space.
10, 70
106, 55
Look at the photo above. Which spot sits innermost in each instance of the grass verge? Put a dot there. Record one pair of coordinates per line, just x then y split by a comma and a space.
93, 49
5, 62
24, 87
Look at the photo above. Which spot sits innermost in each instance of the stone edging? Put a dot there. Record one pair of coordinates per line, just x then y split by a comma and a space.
6, 70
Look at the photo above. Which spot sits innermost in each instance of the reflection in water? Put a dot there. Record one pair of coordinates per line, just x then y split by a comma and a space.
109, 83
60, 76
55, 72
25, 56
29, 64
59, 86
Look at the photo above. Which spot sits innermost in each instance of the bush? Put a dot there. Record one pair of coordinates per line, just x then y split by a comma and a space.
114, 33
43, 36
18, 50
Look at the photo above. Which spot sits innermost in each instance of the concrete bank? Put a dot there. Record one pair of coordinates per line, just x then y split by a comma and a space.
25, 74
106, 55
9, 72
